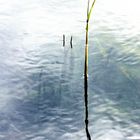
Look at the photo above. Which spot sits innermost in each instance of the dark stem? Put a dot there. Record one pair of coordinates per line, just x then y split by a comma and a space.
86, 108
71, 42
63, 40
86, 85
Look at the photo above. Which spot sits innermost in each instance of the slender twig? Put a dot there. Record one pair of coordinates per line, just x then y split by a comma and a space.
89, 10
63, 40
71, 42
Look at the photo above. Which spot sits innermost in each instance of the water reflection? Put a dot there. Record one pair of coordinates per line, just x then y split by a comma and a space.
47, 107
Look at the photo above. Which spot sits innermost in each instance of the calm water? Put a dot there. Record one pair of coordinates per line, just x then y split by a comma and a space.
41, 83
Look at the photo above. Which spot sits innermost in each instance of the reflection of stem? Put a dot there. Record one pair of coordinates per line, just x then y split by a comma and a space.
86, 70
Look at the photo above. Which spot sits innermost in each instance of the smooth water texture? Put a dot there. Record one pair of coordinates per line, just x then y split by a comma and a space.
41, 82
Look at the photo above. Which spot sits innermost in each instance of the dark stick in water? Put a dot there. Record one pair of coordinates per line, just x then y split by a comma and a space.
86, 70
63, 40
71, 42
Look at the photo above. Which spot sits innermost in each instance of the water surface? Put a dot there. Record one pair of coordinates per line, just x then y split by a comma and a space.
41, 82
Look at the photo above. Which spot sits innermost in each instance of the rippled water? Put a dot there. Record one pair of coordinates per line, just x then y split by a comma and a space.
41, 83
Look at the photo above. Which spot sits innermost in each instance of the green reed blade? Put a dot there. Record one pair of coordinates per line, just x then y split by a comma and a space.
90, 11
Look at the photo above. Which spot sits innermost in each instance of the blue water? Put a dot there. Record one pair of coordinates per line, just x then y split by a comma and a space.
41, 82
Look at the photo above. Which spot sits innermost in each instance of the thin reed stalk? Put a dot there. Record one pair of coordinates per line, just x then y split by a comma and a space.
63, 40
71, 42
89, 10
